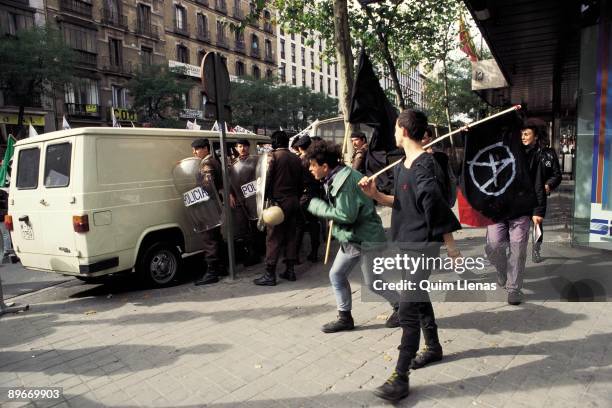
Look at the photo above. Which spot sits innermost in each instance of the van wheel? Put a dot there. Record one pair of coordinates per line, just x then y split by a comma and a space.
159, 264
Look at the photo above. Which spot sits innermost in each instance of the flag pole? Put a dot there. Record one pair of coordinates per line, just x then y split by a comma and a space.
439, 139
347, 132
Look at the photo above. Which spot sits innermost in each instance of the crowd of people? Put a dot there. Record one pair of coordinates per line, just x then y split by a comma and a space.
316, 190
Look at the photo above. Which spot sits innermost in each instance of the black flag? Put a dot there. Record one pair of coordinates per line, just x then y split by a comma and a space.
496, 179
370, 106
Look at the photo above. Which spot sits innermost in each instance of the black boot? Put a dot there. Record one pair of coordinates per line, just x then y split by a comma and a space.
344, 322
289, 273
395, 388
393, 319
268, 278
211, 276
432, 352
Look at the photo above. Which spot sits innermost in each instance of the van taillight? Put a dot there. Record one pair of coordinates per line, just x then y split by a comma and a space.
8, 222
80, 223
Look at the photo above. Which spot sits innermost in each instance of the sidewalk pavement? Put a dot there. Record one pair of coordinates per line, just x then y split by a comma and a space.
234, 344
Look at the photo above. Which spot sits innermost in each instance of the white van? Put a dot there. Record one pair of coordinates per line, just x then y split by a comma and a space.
92, 201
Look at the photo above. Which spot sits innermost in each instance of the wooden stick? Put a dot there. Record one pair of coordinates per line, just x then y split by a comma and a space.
347, 132
461, 129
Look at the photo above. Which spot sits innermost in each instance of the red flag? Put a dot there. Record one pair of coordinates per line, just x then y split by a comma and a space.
468, 215
467, 45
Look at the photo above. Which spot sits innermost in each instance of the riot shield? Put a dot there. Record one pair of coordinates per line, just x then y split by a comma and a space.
261, 173
201, 201
244, 182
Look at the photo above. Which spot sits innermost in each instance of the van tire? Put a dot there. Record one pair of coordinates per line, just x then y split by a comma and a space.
159, 264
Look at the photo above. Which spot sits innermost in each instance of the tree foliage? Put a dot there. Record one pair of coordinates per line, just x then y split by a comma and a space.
33, 62
261, 103
463, 103
157, 92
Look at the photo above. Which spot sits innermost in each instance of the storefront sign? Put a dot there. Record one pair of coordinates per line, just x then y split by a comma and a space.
12, 119
91, 108
192, 114
125, 115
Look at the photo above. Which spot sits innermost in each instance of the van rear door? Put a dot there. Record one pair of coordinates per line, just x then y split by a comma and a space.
43, 201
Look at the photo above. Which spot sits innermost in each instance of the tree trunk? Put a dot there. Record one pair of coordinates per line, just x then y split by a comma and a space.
344, 55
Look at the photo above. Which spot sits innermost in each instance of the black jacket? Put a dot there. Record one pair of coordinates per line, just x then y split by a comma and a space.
552, 170
538, 174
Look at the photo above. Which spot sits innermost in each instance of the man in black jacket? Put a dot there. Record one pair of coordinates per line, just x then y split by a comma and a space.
552, 177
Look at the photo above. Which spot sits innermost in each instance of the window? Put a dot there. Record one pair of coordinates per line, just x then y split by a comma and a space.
293, 75
119, 94
115, 52
203, 100
240, 68
146, 55
27, 169
180, 18
336, 87
303, 57
281, 72
254, 43
320, 45
321, 83
311, 59
185, 99
80, 38
293, 53
312, 81
202, 22
144, 16
268, 48
84, 92
282, 49
268, 74
328, 69
256, 72
57, 165
329, 85
13, 20
293, 36
303, 77
182, 54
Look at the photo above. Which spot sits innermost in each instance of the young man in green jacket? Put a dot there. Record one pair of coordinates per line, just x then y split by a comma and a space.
357, 227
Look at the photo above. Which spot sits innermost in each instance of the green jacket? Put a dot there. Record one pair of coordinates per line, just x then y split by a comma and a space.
354, 214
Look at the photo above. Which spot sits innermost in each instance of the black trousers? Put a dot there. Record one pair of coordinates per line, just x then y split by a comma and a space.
415, 314
212, 242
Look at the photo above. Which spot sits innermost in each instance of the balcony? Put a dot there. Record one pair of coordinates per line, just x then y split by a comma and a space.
147, 30
116, 67
222, 42
255, 53
240, 47
269, 57
182, 30
82, 8
202, 2
203, 35
82, 110
86, 58
114, 19
268, 27
254, 23
221, 6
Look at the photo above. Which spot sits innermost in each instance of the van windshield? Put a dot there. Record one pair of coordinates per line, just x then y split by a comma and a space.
57, 165
27, 168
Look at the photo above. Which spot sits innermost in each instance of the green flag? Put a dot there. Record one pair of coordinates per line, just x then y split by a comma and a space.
10, 147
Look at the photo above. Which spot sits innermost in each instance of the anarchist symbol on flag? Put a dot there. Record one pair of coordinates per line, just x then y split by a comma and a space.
496, 180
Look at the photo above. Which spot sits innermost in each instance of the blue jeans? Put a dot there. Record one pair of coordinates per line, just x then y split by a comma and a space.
347, 258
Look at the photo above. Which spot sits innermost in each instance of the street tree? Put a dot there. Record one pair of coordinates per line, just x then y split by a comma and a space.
33, 63
158, 93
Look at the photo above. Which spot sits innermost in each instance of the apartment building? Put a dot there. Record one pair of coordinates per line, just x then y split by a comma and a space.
193, 28
301, 64
412, 82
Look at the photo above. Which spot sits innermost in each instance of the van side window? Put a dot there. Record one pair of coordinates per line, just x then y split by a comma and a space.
27, 169
57, 165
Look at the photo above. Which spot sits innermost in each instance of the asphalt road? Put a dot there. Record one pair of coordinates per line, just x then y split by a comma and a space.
16, 280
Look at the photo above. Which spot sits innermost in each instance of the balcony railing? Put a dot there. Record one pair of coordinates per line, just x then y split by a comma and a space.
255, 53
203, 35
221, 6
148, 30
222, 42
114, 19
79, 7
118, 67
202, 2
86, 58
268, 27
240, 47
183, 30
269, 57
82, 109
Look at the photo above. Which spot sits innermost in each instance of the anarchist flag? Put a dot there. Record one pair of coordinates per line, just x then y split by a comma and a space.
370, 106
495, 179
